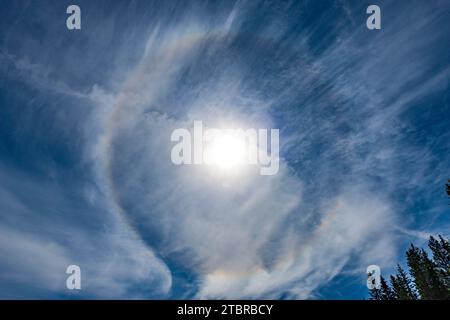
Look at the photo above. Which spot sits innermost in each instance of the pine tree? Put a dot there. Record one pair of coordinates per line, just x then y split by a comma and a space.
436, 285
448, 188
386, 291
383, 293
426, 275
402, 286
441, 258
428, 279
417, 271
375, 294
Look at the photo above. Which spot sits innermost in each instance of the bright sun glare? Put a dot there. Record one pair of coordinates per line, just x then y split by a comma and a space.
226, 151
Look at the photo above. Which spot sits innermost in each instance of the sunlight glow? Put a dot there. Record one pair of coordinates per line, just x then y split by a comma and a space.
226, 151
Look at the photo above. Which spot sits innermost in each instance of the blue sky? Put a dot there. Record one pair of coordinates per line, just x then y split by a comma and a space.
85, 124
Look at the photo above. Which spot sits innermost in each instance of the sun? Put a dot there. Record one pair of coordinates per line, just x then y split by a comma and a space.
226, 152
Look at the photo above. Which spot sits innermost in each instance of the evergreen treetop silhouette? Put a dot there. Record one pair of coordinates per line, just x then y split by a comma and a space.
427, 278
